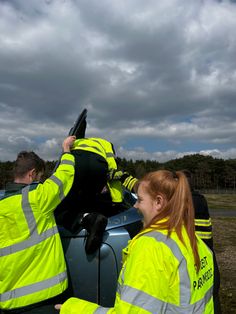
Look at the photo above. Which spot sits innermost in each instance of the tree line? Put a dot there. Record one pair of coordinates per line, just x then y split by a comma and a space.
208, 172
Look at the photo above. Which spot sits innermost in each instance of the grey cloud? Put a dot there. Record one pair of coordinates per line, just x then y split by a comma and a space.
144, 69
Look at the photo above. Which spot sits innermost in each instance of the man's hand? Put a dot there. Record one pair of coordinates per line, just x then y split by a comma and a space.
67, 143
58, 307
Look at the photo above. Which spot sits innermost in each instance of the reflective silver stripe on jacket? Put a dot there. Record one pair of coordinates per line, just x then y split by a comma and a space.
101, 310
33, 240
154, 305
89, 146
109, 155
35, 287
67, 162
59, 183
29, 216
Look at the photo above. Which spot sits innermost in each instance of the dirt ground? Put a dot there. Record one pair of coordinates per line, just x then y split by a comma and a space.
224, 230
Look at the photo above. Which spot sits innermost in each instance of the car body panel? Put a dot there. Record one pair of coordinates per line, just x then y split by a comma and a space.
94, 277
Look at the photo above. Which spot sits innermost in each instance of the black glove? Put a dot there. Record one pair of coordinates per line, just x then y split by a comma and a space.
95, 224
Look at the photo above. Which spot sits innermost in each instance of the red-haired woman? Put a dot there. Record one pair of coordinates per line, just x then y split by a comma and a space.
166, 267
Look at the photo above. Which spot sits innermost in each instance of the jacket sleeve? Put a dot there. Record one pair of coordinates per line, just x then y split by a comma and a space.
57, 186
203, 224
129, 182
75, 306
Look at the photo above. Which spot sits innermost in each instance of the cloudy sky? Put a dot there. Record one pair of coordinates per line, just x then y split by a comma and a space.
158, 78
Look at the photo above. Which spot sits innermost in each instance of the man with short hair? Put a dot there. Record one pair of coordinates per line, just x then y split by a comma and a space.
32, 264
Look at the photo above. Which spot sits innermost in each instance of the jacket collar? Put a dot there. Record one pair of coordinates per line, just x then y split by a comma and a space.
13, 187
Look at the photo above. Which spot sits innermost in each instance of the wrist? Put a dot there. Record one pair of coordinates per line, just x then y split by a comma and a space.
66, 153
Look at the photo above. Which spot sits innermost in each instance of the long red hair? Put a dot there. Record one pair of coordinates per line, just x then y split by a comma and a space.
178, 210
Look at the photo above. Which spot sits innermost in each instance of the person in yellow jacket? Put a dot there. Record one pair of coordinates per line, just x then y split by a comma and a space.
32, 264
94, 196
166, 268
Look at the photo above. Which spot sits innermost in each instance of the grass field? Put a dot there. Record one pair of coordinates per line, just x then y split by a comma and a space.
221, 201
224, 234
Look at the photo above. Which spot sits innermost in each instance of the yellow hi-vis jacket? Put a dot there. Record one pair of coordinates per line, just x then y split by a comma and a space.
32, 265
105, 149
158, 276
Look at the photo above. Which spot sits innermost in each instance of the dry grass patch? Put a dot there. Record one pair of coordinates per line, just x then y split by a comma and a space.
224, 233
221, 201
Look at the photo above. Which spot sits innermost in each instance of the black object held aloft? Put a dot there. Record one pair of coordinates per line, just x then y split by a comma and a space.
79, 126
78, 130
